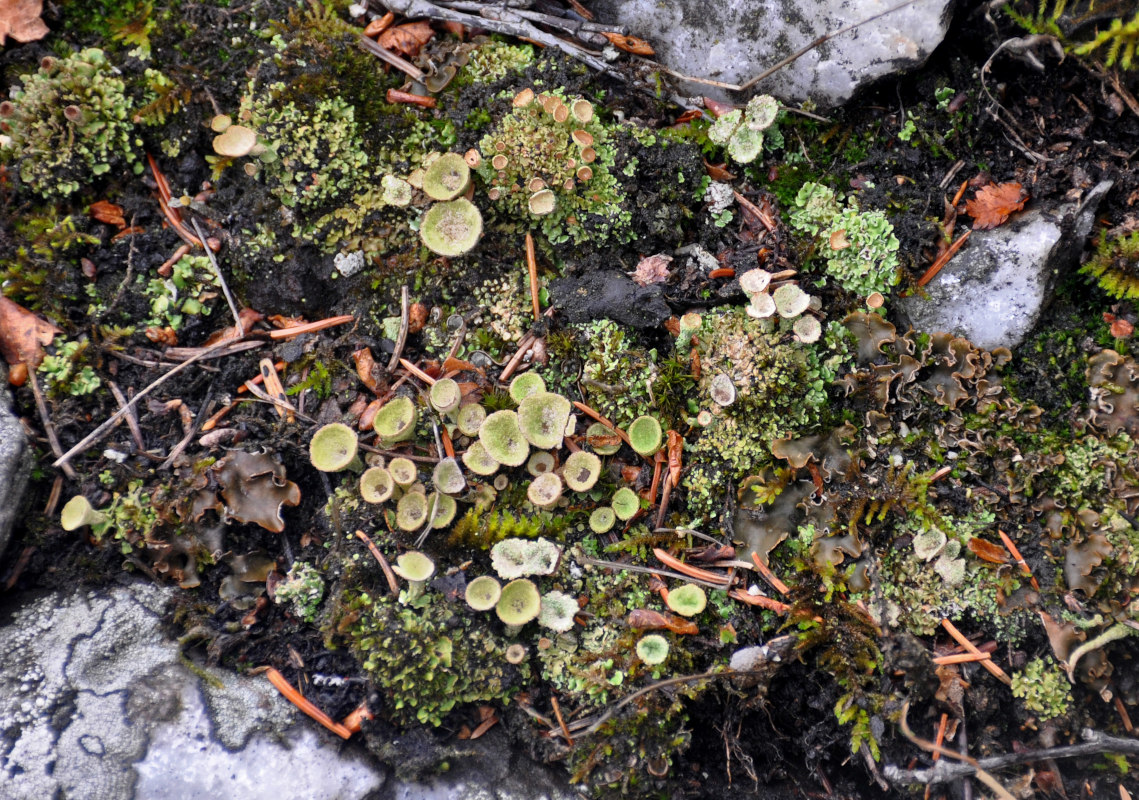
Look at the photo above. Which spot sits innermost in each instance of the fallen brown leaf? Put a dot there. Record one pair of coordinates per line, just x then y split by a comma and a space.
109, 213
407, 39
987, 551
992, 205
23, 335
20, 19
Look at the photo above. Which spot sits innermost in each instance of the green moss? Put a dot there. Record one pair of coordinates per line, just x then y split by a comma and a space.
1043, 687
426, 661
189, 291
483, 529
495, 60
69, 122
1116, 266
65, 373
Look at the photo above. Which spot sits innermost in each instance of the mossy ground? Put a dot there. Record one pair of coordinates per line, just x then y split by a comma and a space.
860, 522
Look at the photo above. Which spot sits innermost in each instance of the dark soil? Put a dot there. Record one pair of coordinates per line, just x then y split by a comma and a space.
784, 745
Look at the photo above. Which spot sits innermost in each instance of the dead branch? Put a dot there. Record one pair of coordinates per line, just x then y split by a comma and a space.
1094, 743
501, 20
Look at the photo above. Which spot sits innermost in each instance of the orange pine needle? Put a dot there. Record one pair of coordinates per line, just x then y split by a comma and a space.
353, 721
943, 259
311, 327
448, 448
961, 658
960, 192
771, 577
298, 699
561, 721
1019, 559
532, 266
759, 600
583, 408
417, 372
959, 637
687, 569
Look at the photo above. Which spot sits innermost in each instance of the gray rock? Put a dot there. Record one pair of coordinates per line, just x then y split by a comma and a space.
95, 703
15, 464
732, 42
994, 291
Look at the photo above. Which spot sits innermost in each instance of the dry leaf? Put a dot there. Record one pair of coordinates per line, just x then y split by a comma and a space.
164, 336
987, 551
993, 204
23, 335
20, 19
407, 39
653, 269
366, 367
630, 44
109, 213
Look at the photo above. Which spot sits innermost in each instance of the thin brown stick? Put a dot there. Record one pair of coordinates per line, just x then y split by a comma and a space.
943, 259
768, 575
759, 213
132, 418
221, 279
404, 324
665, 495
561, 720
512, 365
299, 700
103, 429
532, 266
960, 638
388, 57
310, 327
589, 412
961, 658
49, 428
687, 569
417, 372
930, 747
395, 97
384, 565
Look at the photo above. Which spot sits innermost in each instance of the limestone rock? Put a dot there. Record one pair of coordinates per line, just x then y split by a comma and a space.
15, 464
994, 291
733, 42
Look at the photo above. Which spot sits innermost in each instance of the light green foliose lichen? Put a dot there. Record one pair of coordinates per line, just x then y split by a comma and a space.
859, 247
188, 291
302, 590
495, 60
64, 372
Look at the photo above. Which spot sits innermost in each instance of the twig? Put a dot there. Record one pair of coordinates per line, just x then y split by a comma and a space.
417, 372
103, 429
508, 23
516, 359
387, 56
961, 658
532, 266
561, 720
228, 347
770, 576
221, 279
396, 97
132, 419
49, 428
199, 422
943, 772
687, 569
583, 408
943, 259
299, 700
404, 324
996, 671
310, 327
384, 565
665, 494
983, 776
